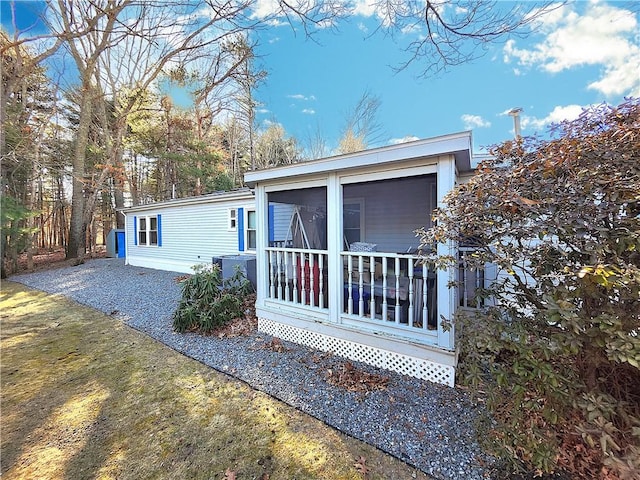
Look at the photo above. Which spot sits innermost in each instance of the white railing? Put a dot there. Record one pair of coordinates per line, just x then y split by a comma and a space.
394, 290
298, 276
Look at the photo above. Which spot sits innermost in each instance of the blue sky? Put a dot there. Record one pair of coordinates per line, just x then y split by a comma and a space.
585, 53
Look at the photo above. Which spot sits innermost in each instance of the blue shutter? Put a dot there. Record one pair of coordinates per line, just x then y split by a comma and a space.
135, 230
159, 230
272, 227
241, 229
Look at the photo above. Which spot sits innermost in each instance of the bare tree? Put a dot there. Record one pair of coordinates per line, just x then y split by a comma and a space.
274, 148
247, 79
362, 127
455, 32
316, 145
132, 43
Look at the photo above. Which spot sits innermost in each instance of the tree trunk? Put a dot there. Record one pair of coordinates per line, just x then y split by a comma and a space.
78, 227
118, 195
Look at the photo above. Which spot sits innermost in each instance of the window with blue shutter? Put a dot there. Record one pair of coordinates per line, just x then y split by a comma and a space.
148, 230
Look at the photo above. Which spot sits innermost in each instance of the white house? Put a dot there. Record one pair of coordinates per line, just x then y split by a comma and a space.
177, 234
345, 275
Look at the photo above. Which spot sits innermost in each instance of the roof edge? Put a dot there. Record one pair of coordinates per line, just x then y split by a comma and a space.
239, 194
458, 144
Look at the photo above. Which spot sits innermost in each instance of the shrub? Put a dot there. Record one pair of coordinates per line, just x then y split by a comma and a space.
558, 352
209, 301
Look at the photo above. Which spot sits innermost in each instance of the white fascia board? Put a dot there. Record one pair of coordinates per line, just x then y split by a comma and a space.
447, 144
202, 199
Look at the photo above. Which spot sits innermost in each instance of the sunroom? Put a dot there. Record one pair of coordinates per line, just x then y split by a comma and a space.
338, 266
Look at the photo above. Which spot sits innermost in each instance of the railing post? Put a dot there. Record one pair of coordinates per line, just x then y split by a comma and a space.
360, 286
350, 283
385, 313
425, 297
321, 280
295, 276
303, 279
372, 299
287, 289
397, 272
272, 276
411, 291
312, 280
279, 272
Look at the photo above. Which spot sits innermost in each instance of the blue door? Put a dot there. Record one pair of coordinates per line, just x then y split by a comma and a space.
120, 244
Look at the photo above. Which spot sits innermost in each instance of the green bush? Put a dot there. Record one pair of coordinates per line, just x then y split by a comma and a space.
209, 301
558, 349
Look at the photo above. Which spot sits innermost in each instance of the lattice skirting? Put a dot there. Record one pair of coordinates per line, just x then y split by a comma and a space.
397, 362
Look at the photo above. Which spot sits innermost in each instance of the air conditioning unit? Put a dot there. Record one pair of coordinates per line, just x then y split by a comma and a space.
246, 263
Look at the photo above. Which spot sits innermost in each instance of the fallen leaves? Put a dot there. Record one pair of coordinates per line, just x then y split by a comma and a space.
243, 325
361, 467
350, 378
276, 345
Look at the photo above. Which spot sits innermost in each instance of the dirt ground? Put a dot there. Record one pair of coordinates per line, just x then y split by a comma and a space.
84, 396
45, 259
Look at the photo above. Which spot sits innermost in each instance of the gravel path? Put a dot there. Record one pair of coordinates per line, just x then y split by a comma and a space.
426, 425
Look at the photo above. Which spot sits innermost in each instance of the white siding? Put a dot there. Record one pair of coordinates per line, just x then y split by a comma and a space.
191, 235
281, 220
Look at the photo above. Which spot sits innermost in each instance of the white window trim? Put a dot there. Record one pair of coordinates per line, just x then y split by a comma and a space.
232, 220
247, 248
147, 230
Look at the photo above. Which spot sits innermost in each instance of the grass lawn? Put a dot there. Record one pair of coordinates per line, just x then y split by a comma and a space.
85, 396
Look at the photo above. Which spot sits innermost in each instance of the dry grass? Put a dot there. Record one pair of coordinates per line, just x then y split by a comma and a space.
84, 396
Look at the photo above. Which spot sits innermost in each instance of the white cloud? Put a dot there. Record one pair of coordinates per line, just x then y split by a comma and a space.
262, 110
309, 111
558, 114
265, 8
299, 96
408, 138
474, 121
603, 35
366, 8
362, 27
399, 14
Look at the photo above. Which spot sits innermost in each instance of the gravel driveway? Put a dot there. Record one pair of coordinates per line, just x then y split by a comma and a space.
426, 425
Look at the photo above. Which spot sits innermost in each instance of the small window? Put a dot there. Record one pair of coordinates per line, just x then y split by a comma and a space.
233, 220
251, 230
148, 231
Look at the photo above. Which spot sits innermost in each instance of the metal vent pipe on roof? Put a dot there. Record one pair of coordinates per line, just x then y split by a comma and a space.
515, 113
